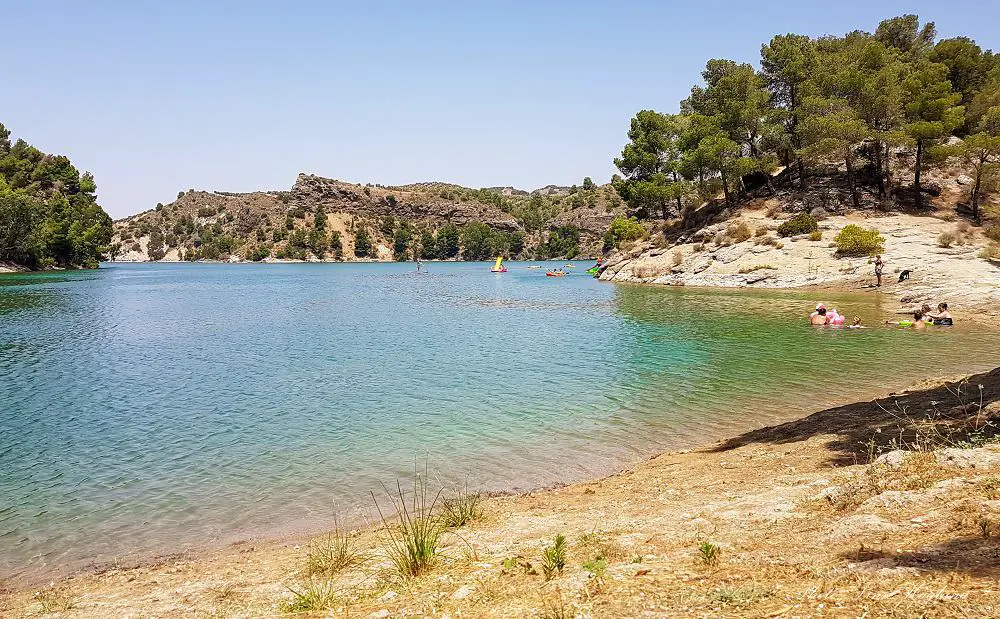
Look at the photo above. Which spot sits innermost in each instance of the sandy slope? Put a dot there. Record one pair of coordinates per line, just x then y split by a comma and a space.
803, 530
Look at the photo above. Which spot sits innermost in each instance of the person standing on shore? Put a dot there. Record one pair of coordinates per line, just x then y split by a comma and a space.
879, 265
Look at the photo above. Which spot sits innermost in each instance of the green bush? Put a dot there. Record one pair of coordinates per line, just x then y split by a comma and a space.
623, 230
854, 240
362, 243
803, 223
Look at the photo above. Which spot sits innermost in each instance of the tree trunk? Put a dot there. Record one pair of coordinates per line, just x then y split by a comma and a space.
975, 190
725, 186
916, 173
879, 168
678, 194
802, 172
850, 181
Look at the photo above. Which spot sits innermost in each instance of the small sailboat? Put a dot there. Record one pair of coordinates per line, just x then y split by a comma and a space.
499, 267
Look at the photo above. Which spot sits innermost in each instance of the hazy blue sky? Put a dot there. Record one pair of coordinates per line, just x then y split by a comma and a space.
156, 97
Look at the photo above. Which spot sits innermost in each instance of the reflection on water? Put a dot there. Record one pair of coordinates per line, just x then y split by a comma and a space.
149, 408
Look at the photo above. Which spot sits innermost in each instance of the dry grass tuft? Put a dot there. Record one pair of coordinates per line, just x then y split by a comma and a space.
918, 471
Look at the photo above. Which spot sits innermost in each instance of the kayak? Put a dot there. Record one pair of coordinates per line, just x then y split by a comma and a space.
593, 270
500, 270
554, 274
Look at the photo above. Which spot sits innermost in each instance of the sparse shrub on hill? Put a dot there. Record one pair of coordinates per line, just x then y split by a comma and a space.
854, 240
623, 230
738, 232
803, 223
362, 243
992, 232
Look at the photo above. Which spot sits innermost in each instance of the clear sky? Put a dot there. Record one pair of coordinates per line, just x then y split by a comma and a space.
157, 97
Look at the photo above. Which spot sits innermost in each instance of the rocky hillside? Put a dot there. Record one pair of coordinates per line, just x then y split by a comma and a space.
803, 237
325, 219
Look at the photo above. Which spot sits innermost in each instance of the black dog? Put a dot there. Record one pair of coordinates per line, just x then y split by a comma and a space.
904, 275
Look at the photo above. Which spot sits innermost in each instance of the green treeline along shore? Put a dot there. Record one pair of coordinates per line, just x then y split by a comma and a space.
49, 216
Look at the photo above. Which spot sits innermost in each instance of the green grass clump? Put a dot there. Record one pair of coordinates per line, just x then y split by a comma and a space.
745, 595
854, 240
554, 557
331, 554
755, 267
597, 567
816, 236
315, 596
708, 553
803, 223
461, 509
991, 252
412, 543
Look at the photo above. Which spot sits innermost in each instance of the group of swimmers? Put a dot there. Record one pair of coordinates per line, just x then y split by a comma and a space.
924, 316
921, 318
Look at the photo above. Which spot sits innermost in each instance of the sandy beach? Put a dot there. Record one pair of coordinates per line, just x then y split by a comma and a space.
805, 519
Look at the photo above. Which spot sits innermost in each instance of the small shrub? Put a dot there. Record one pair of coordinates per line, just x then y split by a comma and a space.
677, 258
53, 601
991, 252
623, 230
739, 232
755, 267
991, 488
946, 239
708, 553
774, 210
744, 595
698, 248
854, 240
802, 223
312, 598
554, 557
991, 231
761, 231
461, 509
206, 211
596, 567
412, 544
988, 528
816, 235
331, 554
818, 213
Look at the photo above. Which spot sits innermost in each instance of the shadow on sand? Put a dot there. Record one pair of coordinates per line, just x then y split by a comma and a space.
953, 413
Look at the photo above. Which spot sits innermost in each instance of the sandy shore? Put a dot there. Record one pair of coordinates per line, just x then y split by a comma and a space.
802, 523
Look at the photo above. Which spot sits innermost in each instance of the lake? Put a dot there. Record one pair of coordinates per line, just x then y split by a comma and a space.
155, 408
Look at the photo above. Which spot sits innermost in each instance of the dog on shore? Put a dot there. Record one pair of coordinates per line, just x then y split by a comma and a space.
904, 275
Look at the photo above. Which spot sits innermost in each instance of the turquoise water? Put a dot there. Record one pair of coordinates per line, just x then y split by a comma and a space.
155, 408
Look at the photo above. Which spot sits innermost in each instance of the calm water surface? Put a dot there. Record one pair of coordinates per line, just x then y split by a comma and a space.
154, 408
